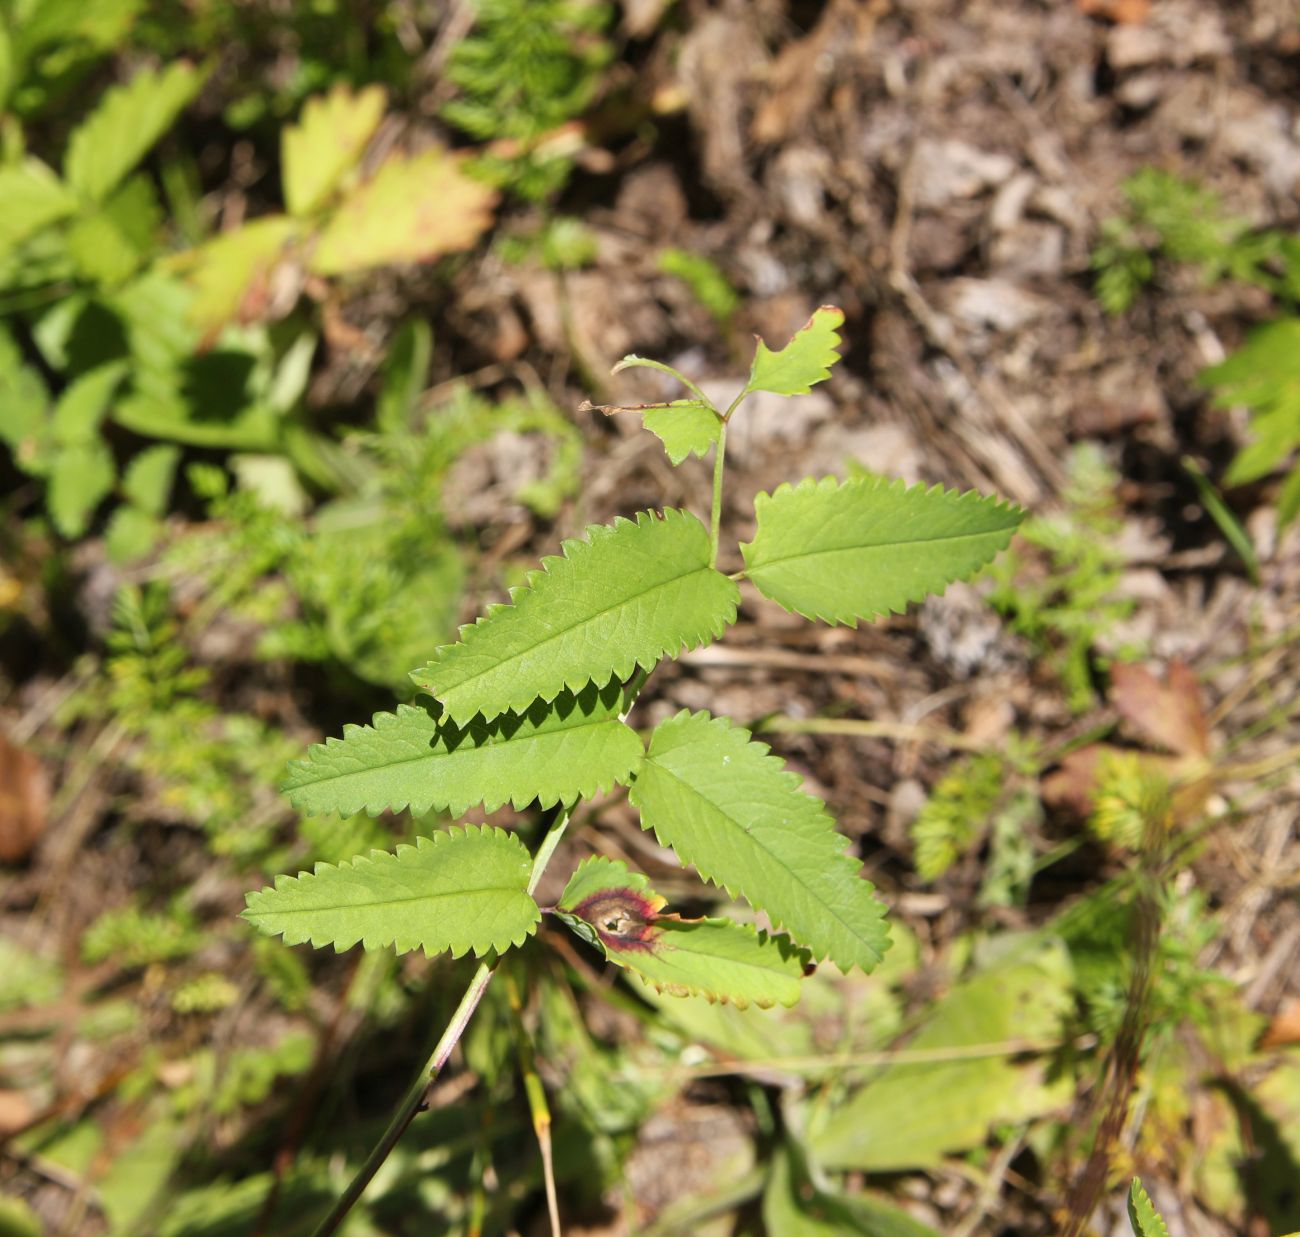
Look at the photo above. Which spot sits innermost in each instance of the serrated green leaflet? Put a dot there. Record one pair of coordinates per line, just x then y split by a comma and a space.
33, 197
327, 143
120, 131
1142, 1213
464, 890
844, 551
685, 427
632, 593
572, 748
615, 910
805, 361
728, 807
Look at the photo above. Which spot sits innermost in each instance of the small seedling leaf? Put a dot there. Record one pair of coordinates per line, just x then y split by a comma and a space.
326, 144
631, 593
685, 427
109, 143
414, 209
615, 910
148, 479
573, 748
731, 809
1142, 1214
464, 890
844, 551
805, 361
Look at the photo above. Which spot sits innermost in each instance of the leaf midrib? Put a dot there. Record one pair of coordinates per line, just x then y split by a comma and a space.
435, 755
567, 631
881, 545
775, 859
365, 906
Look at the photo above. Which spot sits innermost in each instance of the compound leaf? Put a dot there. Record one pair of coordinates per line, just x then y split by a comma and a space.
327, 143
805, 361
632, 592
463, 890
1142, 1213
121, 130
731, 809
844, 551
414, 209
554, 753
616, 911
685, 427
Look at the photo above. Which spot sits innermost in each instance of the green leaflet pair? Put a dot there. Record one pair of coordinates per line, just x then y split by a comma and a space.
529, 706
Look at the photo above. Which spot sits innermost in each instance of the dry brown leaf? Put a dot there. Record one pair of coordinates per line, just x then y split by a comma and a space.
1284, 1028
1121, 12
1169, 714
24, 801
16, 1112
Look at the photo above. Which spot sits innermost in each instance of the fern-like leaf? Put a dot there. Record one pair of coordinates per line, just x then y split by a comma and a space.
121, 130
554, 753
731, 809
805, 361
616, 911
1142, 1213
463, 890
629, 594
844, 551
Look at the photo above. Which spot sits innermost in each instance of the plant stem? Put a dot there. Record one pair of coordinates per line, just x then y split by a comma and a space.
715, 517
416, 1099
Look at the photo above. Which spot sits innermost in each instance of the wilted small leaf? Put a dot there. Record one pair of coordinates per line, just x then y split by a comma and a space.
1169, 714
414, 209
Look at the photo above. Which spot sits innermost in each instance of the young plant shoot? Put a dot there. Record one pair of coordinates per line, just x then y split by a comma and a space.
530, 706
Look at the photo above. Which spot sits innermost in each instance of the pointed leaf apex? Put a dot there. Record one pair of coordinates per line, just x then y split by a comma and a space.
805, 361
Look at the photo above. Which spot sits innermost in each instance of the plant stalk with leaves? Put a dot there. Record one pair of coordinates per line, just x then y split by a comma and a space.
530, 707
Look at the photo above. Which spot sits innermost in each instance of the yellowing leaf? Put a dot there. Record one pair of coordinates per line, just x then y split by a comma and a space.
414, 209
326, 144
227, 271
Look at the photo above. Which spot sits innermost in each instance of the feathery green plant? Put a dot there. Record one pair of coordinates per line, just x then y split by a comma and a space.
530, 706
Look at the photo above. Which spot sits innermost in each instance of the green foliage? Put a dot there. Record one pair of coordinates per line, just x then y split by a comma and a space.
1142, 1214
1264, 375
1068, 603
1174, 218
1178, 219
132, 937
730, 809
912, 1113
805, 361
956, 813
706, 281
528, 68
571, 748
844, 551
463, 890
529, 707
630, 593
